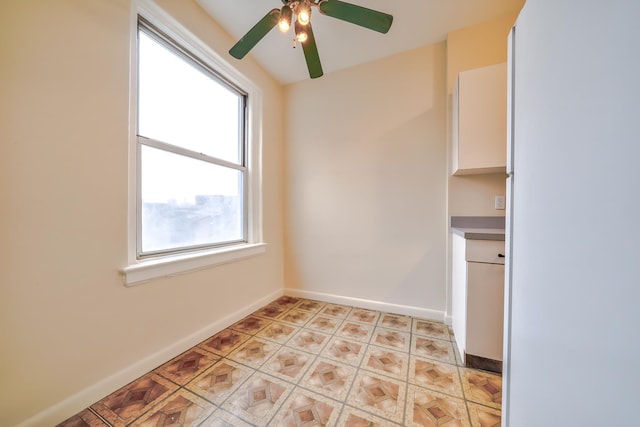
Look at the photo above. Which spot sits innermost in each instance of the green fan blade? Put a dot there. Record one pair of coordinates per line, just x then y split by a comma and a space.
311, 54
358, 15
255, 34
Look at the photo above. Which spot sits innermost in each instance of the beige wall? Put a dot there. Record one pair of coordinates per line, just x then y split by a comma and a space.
67, 322
478, 46
366, 178
469, 48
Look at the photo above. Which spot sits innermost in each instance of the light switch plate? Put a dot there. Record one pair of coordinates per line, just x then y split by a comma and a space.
499, 202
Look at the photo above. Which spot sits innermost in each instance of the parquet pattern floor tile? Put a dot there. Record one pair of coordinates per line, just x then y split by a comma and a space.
299, 362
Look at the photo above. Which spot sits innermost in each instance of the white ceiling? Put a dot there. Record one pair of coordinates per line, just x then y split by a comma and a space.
341, 44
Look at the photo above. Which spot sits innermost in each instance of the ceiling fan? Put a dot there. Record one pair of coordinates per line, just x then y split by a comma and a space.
372, 19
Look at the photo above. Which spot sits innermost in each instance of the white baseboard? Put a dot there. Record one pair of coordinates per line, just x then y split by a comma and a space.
448, 319
406, 310
84, 398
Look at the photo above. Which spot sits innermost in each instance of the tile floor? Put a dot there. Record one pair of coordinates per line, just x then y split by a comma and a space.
299, 362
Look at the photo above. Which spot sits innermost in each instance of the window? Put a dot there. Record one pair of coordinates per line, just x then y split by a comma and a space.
196, 173
191, 146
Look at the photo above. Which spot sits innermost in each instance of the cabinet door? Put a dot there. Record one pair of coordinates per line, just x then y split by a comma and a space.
485, 309
479, 134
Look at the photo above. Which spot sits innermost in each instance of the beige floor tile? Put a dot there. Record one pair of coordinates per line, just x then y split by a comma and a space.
270, 311
482, 387
219, 381
309, 340
395, 321
250, 325
278, 332
483, 416
355, 331
286, 302
85, 418
380, 395
304, 408
182, 408
288, 364
224, 342
432, 348
329, 378
325, 324
344, 351
335, 310
133, 400
386, 361
295, 317
392, 339
435, 375
433, 409
255, 352
352, 417
429, 328
187, 366
258, 399
362, 315
311, 306
222, 418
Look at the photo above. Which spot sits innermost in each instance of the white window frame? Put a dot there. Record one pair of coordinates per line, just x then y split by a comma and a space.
142, 270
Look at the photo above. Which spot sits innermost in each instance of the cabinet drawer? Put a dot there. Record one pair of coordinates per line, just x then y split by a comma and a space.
485, 251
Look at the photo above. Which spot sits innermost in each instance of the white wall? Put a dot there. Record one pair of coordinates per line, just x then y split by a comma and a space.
366, 176
575, 340
70, 332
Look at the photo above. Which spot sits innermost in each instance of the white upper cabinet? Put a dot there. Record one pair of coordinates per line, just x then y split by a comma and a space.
480, 121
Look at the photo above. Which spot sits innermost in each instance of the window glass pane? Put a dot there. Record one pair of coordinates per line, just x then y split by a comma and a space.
181, 105
188, 202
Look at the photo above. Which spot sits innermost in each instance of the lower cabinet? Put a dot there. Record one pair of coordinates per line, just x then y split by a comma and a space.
478, 301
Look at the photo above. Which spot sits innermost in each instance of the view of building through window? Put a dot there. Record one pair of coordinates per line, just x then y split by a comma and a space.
191, 152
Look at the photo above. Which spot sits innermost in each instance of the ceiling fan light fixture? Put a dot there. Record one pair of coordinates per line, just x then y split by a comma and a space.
303, 11
284, 22
301, 33
284, 17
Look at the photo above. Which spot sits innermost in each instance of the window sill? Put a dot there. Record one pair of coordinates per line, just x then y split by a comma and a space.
144, 271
